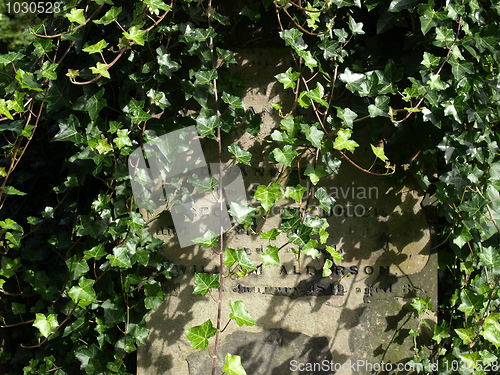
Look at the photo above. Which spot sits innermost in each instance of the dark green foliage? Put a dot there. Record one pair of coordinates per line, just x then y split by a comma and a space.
79, 273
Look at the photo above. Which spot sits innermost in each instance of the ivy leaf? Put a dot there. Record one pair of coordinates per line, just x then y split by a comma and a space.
46, 324
110, 16
310, 249
288, 78
399, 5
296, 193
233, 100
76, 15
204, 282
428, 19
470, 302
379, 153
84, 292
96, 48
440, 333
334, 253
119, 258
343, 141
4, 110
314, 174
325, 200
241, 155
466, 334
207, 123
9, 266
77, 266
233, 366
122, 139
68, 130
285, 156
356, 27
347, 115
199, 335
157, 4
240, 314
352, 80
270, 235
167, 66
101, 69
239, 256
208, 240
135, 34
327, 271
317, 94
27, 80
205, 77
490, 257
270, 257
380, 108
268, 195
134, 110
313, 134
242, 213
491, 329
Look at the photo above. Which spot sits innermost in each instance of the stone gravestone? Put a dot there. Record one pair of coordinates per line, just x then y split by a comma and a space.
350, 323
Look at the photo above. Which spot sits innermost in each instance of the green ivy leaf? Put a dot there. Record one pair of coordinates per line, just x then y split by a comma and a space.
270, 257
317, 95
68, 130
233, 366
233, 100
205, 77
207, 123
167, 65
356, 27
27, 80
46, 324
470, 302
440, 333
491, 329
310, 249
239, 256
353, 81
110, 16
325, 200
199, 335
240, 314
380, 108
241, 155
313, 134
327, 268
9, 266
204, 282
76, 15
285, 156
135, 34
135, 111
77, 266
268, 195
96, 48
347, 115
296, 193
242, 213
101, 69
122, 139
343, 141
119, 258
490, 257
157, 4
334, 253
11, 190
288, 78
84, 292
314, 174
208, 240
270, 235
379, 153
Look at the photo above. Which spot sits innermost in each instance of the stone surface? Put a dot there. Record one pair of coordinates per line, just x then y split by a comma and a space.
361, 313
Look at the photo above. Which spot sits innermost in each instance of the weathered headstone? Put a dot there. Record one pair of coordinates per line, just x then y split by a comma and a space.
359, 317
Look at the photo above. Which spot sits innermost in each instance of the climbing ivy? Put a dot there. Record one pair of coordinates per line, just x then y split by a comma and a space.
79, 273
